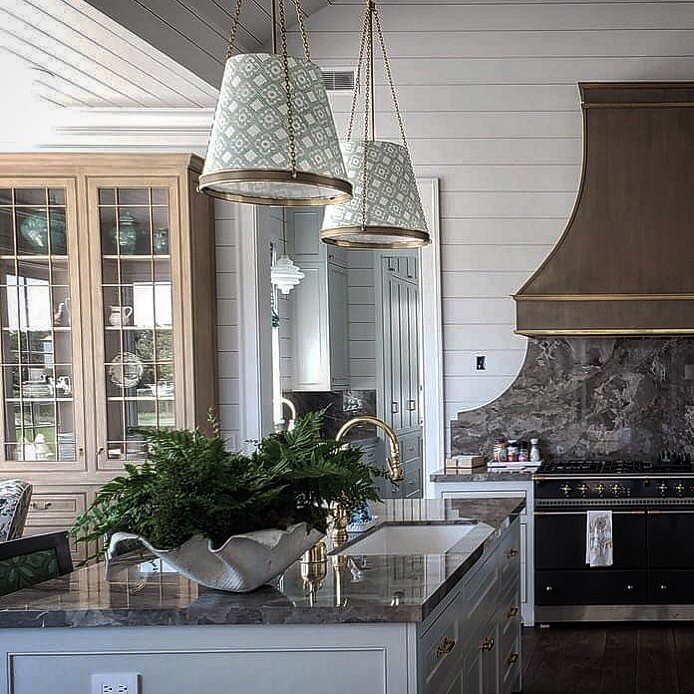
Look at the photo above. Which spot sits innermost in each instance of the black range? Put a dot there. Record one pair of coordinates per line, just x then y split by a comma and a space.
652, 506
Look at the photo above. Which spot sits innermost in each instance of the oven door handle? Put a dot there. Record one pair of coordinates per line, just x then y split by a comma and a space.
582, 513
657, 512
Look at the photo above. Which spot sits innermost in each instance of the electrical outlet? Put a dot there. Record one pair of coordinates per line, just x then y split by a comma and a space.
481, 363
116, 683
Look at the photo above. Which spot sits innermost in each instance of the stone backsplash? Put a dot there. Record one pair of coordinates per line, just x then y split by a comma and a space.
592, 397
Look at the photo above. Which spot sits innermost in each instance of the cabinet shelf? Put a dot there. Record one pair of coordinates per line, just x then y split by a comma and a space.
139, 257
135, 328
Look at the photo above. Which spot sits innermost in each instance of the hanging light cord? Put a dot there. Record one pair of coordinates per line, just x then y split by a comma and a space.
389, 76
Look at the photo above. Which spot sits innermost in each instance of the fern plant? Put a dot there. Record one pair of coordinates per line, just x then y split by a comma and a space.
191, 484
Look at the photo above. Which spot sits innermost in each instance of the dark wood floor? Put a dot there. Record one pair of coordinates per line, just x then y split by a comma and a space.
612, 659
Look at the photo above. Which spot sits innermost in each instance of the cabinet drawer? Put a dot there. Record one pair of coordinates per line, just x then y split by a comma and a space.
412, 484
441, 648
510, 558
480, 596
671, 587
58, 504
510, 664
509, 613
410, 445
590, 587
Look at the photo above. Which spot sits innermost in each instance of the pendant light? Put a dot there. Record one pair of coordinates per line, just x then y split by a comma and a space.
386, 210
273, 139
284, 274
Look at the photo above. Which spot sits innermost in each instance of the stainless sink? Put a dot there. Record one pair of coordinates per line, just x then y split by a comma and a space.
402, 539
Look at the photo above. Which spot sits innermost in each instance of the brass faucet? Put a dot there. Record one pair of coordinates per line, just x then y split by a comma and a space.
340, 518
292, 411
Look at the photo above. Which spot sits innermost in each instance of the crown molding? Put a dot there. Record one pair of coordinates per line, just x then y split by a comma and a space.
121, 129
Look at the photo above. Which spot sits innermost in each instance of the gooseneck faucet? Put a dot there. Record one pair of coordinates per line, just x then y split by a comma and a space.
340, 518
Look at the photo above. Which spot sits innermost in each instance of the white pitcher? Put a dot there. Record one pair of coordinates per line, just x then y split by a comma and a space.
120, 315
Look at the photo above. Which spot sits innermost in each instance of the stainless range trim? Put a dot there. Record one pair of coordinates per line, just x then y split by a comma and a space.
610, 613
613, 475
579, 512
616, 501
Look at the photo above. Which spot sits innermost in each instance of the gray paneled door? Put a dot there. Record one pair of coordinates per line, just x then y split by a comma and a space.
399, 320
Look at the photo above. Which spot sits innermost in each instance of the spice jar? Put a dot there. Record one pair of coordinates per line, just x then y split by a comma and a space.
513, 451
500, 450
523, 452
535, 454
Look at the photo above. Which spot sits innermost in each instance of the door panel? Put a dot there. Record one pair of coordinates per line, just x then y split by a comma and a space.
590, 587
670, 535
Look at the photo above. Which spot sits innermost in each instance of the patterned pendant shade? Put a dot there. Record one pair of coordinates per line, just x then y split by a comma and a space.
386, 211
392, 215
249, 156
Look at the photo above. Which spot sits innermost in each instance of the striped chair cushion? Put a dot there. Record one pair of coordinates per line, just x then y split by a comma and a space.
15, 496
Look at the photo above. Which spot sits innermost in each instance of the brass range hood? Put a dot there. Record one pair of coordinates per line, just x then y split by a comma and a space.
625, 263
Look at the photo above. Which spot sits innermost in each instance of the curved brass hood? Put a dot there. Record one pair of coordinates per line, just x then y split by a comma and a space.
625, 263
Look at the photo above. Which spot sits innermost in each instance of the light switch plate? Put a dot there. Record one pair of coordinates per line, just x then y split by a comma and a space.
116, 683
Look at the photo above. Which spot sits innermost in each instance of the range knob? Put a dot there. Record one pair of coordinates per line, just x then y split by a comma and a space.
662, 488
582, 488
679, 489
600, 489
616, 489
566, 489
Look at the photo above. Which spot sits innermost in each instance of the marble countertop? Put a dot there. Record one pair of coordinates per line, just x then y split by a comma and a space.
481, 475
135, 592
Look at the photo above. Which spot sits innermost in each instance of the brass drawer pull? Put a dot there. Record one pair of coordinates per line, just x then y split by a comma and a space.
513, 612
513, 658
487, 644
512, 553
446, 645
41, 506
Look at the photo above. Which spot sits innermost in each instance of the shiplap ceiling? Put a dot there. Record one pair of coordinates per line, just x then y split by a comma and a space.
195, 32
83, 58
128, 53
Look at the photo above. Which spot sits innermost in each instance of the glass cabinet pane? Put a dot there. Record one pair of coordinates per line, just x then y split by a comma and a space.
35, 325
137, 316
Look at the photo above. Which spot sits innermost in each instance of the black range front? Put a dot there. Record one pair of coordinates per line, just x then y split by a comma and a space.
652, 574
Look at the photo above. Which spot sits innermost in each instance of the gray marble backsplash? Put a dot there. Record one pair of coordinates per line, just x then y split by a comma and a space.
592, 397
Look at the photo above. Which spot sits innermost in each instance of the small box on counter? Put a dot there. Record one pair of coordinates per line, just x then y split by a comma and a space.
461, 463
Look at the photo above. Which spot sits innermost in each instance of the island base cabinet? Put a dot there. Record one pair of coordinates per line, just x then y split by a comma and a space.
469, 644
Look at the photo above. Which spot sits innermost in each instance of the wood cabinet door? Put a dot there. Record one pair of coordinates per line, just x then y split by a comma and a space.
137, 273
41, 328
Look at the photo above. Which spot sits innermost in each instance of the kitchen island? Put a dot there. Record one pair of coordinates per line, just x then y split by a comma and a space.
365, 619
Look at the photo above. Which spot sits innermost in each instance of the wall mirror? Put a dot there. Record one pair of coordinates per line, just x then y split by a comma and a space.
359, 335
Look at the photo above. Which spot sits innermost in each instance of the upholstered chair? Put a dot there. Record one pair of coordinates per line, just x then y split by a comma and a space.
15, 496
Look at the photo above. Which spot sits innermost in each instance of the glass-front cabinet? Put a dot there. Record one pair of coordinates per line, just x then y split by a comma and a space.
107, 317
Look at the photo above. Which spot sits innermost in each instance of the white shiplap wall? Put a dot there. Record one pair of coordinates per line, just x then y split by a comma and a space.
362, 319
491, 108
225, 214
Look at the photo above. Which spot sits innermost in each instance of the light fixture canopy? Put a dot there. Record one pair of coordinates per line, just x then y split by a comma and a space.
386, 210
285, 275
273, 139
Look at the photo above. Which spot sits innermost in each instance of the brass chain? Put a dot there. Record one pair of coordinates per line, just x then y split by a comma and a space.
367, 104
232, 31
302, 28
389, 76
288, 89
357, 84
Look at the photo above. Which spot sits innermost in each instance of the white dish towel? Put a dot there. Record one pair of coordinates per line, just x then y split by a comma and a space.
599, 541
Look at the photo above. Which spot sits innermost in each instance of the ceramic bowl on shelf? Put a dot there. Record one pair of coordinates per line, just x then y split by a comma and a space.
242, 564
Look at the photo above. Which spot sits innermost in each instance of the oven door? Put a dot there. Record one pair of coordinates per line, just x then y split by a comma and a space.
562, 576
560, 540
671, 556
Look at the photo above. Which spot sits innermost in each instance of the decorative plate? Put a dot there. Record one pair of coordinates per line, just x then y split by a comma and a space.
126, 370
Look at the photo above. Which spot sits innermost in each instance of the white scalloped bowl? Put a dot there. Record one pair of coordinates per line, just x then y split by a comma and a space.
242, 564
